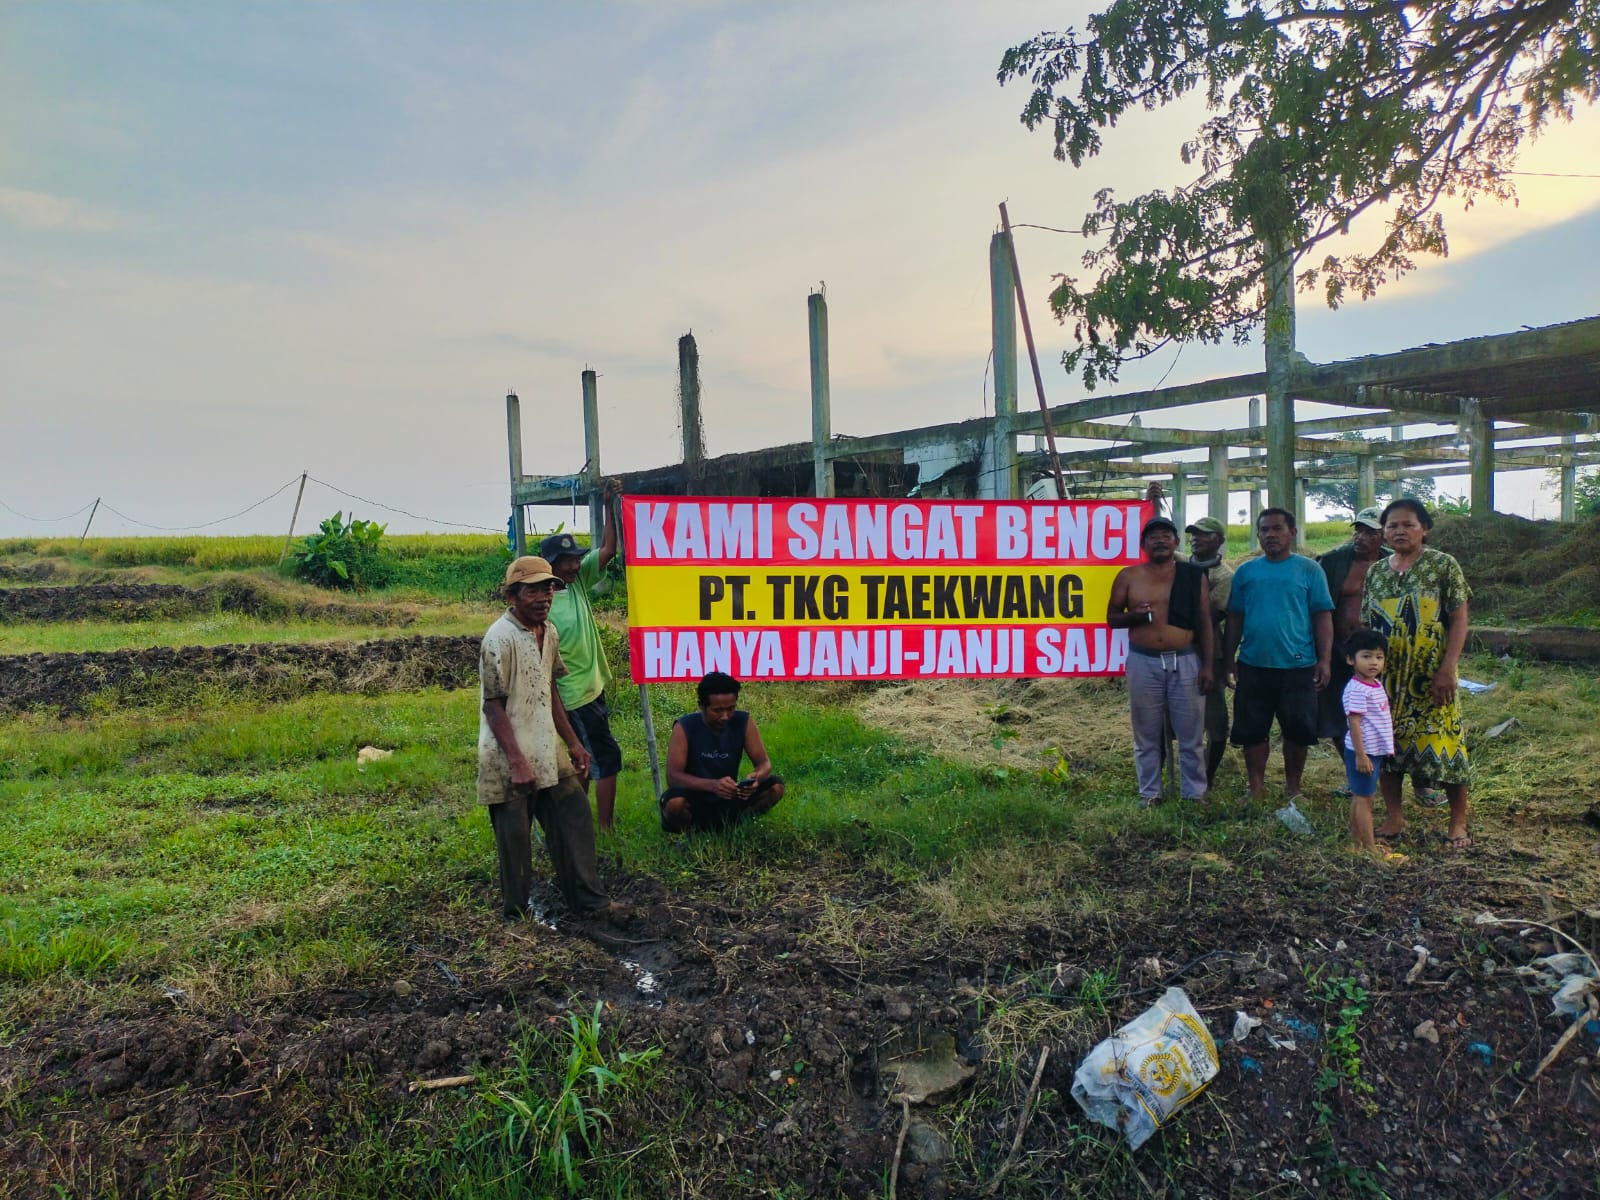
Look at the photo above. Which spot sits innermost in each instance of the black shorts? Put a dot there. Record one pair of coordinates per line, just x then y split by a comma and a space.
1262, 693
709, 811
592, 723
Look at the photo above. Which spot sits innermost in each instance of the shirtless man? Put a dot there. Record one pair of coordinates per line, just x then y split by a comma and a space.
1345, 568
1165, 605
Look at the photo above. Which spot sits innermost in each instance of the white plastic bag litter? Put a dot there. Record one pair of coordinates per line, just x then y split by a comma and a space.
1155, 1064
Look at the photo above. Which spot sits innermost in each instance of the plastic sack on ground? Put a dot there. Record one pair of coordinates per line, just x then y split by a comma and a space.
1150, 1068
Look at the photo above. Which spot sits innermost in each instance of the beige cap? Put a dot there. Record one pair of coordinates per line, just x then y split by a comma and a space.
528, 569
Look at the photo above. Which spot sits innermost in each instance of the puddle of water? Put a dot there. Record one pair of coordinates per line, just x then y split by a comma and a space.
540, 915
644, 981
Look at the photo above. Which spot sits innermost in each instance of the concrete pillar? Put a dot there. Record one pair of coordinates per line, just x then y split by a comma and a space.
1180, 500
591, 452
1001, 467
1217, 485
519, 531
1366, 483
1479, 433
1569, 479
694, 449
1255, 488
1299, 511
1279, 338
821, 402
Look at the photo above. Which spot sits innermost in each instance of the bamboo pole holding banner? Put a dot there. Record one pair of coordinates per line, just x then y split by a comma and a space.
90, 521
1033, 356
289, 537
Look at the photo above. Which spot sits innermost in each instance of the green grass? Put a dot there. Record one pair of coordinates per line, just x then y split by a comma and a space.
229, 628
211, 553
242, 842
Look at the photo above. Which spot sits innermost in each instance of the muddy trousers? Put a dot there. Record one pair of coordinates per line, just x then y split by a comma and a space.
1161, 689
563, 814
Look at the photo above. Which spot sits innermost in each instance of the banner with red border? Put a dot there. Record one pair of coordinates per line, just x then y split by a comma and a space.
793, 589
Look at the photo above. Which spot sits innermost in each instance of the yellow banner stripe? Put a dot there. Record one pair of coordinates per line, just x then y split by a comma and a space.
722, 597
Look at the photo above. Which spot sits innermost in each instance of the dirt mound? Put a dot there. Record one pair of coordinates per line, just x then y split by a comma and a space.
779, 1032
150, 601
66, 683
1522, 570
1011, 723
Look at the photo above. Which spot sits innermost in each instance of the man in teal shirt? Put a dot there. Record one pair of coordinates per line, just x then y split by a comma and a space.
583, 687
1280, 640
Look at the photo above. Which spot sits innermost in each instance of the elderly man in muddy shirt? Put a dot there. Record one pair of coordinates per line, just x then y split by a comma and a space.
530, 761
1165, 605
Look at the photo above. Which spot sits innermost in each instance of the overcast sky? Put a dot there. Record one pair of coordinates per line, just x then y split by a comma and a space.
239, 241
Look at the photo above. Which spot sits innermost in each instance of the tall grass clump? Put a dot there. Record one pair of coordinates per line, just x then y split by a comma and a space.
550, 1124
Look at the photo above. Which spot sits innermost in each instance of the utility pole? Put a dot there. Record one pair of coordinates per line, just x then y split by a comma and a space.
295, 516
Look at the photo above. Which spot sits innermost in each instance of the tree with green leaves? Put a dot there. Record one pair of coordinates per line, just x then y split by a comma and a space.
1321, 113
1586, 496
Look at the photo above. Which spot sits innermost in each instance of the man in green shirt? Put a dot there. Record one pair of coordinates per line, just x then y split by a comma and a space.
583, 687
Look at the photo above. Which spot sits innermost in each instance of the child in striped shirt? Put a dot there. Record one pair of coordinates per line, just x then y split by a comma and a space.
1371, 736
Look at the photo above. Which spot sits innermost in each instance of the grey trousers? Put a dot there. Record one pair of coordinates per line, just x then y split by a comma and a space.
563, 813
1161, 690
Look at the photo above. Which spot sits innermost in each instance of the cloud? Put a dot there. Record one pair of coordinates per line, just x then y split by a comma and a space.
40, 210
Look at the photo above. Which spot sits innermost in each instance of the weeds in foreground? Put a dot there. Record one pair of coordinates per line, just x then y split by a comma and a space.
552, 1135
1341, 1056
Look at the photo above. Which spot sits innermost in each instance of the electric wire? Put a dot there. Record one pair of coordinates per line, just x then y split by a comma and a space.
402, 512
204, 524
46, 520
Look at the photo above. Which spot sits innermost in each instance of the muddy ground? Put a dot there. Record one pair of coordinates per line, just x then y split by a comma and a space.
67, 683
779, 1039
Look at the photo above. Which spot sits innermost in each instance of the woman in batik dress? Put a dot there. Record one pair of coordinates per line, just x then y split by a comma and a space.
1417, 598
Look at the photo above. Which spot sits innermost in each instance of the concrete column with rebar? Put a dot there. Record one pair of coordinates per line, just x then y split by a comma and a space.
821, 399
519, 530
694, 450
591, 449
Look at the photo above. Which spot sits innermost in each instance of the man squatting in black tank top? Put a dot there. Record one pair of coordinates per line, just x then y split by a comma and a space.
704, 788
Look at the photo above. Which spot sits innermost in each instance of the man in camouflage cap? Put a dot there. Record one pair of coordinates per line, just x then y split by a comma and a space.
1207, 541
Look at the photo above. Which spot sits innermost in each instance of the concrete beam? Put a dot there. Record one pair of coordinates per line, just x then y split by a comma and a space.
1233, 387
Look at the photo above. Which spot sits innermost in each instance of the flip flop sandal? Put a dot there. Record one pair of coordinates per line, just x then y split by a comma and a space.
1458, 844
1432, 797
1396, 837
